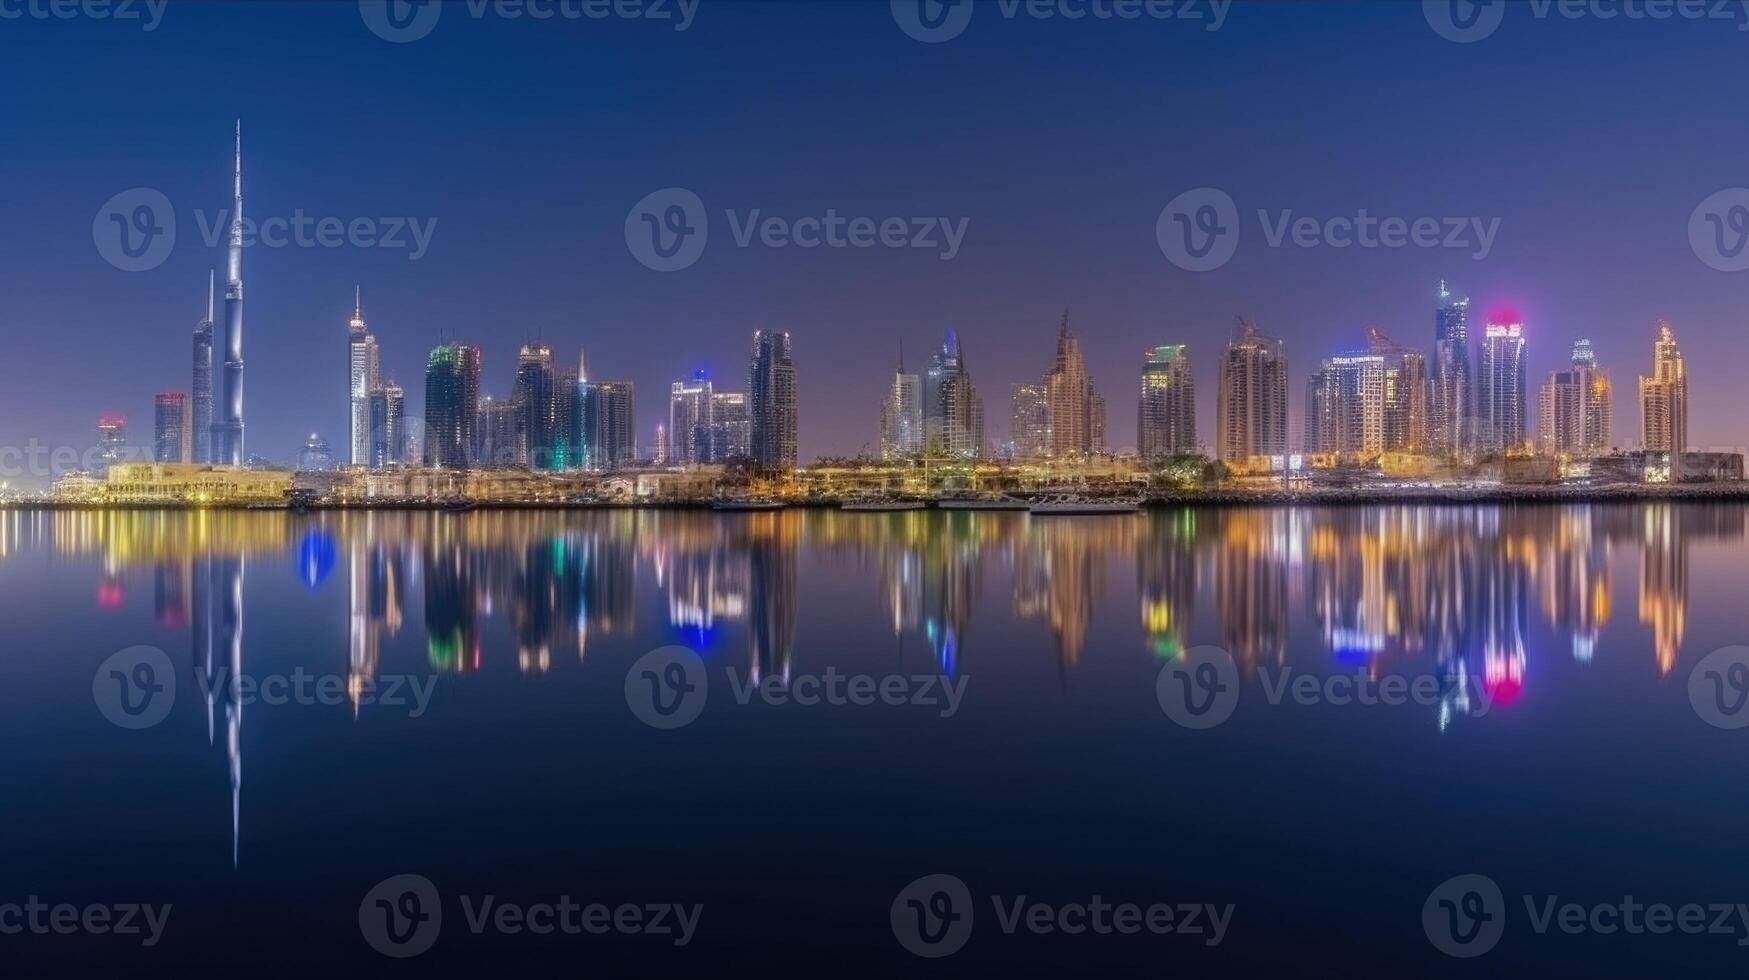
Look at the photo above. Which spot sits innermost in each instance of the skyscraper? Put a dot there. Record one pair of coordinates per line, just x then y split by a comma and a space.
171, 428
731, 432
953, 415
536, 396
1450, 406
201, 419
1407, 394
1077, 413
1029, 420
771, 401
689, 419
1345, 406
112, 442
1500, 394
494, 438
610, 425
1252, 412
1166, 413
362, 369
902, 415
1573, 407
228, 430
388, 429
1664, 400
448, 412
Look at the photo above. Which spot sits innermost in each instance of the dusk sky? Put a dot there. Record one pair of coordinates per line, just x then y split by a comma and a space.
1592, 141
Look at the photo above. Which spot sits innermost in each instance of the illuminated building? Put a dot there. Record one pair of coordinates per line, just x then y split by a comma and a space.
536, 396
953, 414
902, 415
1076, 413
1345, 406
112, 442
494, 433
1406, 394
315, 456
201, 391
689, 419
1450, 407
452, 380
1251, 417
388, 427
771, 401
1166, 414
1664, 401
228, 429
1573, 408
1029, 427
362, 368
731, 432
171, 428
1500, 394
192, 483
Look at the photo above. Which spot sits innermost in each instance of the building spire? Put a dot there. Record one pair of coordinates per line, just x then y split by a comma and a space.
357, 302
210, 277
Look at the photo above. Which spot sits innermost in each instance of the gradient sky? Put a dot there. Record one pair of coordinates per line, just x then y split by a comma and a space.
1591, 141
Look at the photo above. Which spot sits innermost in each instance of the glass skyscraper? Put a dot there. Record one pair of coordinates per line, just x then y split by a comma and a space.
1166, 414
771, 401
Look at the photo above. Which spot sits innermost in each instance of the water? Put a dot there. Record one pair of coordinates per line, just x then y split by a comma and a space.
1549, 740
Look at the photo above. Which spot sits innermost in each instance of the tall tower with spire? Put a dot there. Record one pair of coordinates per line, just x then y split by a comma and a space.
228, 430
362, 374
201, 390
902, 414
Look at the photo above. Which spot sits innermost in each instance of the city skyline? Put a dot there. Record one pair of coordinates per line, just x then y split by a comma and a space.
1001, 293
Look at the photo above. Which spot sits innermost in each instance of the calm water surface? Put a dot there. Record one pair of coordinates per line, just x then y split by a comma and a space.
1549, 740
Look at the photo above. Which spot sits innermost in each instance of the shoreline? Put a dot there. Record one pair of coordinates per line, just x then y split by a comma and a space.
1428, 496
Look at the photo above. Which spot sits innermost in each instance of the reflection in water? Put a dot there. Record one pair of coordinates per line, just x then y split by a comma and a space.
1443, 590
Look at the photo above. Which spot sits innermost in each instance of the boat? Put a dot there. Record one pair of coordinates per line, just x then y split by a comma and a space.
747, 504
991, 502
881, 505
460, 505
1075, 504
